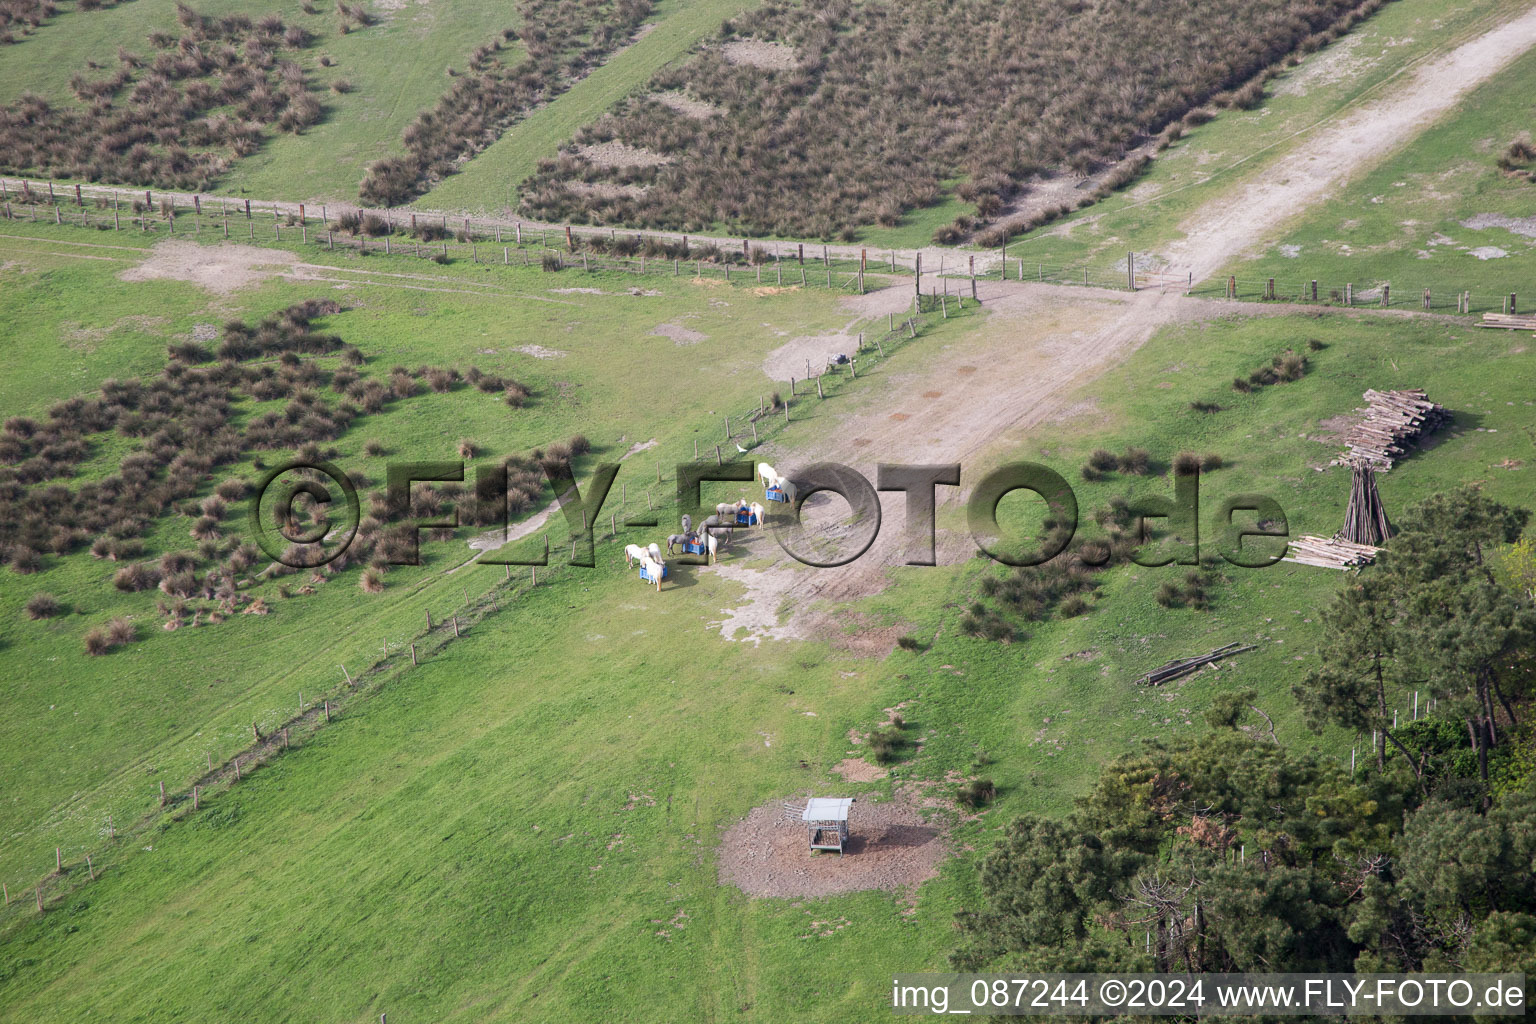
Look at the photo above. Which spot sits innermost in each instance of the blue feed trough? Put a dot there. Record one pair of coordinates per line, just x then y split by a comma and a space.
694, 547
775, 494
744, 517
647, 576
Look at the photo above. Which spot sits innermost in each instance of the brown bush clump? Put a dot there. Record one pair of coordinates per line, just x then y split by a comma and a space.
887, 103
561, 42
175, 120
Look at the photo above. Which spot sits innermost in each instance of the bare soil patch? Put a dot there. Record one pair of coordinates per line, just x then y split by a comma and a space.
679, 334
1523, 226
793, 357
540, 352
687, 105
617, 154
760, 53
856, 769
891, 846
218, 268
767, 591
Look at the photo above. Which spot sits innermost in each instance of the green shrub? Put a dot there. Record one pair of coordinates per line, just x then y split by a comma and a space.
976, 793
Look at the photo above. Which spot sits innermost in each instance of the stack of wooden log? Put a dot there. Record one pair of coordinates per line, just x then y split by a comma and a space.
1393, 420
1330, 552
1365, 520
1509, 321
1184, 666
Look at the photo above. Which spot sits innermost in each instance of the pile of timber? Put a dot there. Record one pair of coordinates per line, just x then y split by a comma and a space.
1330, 552
1393, 420
1184, 666
1509, 321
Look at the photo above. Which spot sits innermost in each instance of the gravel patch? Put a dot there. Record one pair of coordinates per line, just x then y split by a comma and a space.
1488, 252
890, 847
679, 334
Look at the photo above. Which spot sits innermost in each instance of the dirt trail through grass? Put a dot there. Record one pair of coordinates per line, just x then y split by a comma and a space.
1345, 147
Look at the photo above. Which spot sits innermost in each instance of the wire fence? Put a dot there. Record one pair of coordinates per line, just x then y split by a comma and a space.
446, 239
1358, 295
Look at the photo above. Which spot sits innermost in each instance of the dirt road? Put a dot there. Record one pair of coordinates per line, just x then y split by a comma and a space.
1343, 148
1042, 343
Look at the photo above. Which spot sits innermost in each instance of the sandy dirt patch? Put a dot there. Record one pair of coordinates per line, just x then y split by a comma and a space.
796, 356
678, 333
217, 268
760, 53
891, 846
616, 154
687, 105
1343, 147
540, 352
856, 769
763, 604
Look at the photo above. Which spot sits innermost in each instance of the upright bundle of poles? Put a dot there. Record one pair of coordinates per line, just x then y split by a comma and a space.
1365, 520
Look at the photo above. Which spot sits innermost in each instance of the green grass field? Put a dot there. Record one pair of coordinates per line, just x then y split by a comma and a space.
496, 833
526, 825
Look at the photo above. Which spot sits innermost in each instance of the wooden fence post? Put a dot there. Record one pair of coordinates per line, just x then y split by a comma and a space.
1314, 291
1386, 296
162, 794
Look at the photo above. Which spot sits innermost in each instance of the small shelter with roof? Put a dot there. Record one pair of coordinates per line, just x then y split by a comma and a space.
826, 819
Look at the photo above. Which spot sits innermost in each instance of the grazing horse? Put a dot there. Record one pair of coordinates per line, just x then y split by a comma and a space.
634, 553
655, 552
676, 540
717, 525
653, 570
767, 474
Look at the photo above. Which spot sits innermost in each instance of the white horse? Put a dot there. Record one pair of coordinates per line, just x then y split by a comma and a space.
788, 487
767, 474
653, 570
757, 512
634, 553
712, 545
655, 552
